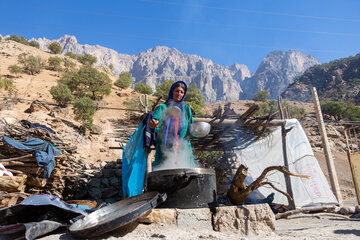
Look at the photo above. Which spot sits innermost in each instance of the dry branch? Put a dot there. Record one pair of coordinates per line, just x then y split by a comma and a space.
239, 191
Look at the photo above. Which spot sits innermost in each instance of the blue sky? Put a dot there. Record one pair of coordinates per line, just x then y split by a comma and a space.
226, 31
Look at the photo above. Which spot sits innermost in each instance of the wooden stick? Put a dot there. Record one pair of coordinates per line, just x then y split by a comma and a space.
302, 210
318, 215
17, 158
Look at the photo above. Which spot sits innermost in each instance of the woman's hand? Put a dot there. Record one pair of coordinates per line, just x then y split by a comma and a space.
153, 123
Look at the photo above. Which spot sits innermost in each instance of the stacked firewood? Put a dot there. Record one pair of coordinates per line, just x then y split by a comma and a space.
28, 177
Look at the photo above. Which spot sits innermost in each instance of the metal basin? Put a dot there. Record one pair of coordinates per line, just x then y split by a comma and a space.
199, 129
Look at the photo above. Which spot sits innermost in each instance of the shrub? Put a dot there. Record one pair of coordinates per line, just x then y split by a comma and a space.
68, 64
124, 80
34, 43
87, 59
88, 82
55, 64
18, 39
15, 69
62, 94
143, 88
84, 110
7, 84
55, 47
261, 96
111, 67
72, 55
31, 64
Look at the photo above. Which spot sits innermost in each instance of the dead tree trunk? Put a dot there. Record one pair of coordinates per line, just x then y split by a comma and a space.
239, 191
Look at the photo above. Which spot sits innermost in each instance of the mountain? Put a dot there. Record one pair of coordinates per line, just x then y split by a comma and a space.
276, 72
217, 83
338, 80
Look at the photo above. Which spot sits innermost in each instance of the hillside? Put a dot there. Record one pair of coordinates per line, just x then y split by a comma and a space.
95, 147
338, 80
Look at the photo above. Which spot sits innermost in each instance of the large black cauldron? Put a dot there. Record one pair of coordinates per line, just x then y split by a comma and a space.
185, 187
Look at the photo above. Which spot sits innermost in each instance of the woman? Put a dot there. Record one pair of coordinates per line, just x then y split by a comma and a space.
173, 148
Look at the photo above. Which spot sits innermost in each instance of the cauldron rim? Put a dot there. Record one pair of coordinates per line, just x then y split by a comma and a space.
183, 171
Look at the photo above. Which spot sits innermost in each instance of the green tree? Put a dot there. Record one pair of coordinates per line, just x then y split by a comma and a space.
55, 47
34, 43
89, 82
87, 59
143, 88
111, 67
84, 110
195, 98
162, 89
341, 110
31, 64
71, 55
15, 69
261, 96
62, 94
124, 80
55, 64
334, 109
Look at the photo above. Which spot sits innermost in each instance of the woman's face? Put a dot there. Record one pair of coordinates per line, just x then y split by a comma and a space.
178, 94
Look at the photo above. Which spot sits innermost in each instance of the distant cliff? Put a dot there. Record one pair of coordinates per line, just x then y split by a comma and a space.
276, 72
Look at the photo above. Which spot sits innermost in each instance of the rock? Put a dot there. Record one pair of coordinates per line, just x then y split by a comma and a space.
199, 217
121, 94
347, 210
96, 130
255, 219
95, 182
160, 215
109, 192
38, 106
357, 209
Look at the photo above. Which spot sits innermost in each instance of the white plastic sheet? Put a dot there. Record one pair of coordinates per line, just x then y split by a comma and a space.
268, 152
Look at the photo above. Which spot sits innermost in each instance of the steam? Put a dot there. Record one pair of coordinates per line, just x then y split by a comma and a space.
183, 152
184, 156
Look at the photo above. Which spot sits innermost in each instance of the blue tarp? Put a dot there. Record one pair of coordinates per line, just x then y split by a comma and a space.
44, 151
134, 164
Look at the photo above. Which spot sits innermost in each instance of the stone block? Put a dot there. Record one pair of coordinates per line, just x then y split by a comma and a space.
194, 218
161, 215
257, 219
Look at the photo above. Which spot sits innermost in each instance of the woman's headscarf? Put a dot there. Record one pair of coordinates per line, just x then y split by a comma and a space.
170, 123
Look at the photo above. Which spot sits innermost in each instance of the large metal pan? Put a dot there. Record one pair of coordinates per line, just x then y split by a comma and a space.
116, 215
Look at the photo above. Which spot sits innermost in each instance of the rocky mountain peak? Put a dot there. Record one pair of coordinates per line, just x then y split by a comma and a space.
276, 72
67, 39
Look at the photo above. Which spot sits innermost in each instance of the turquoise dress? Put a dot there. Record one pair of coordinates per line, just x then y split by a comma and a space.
168, 153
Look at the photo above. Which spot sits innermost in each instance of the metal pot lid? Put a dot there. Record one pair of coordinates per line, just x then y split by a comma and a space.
185, 171
116, 215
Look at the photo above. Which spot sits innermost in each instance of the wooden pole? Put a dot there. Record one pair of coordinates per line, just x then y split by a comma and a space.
352, 167
329, 159
286, 163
